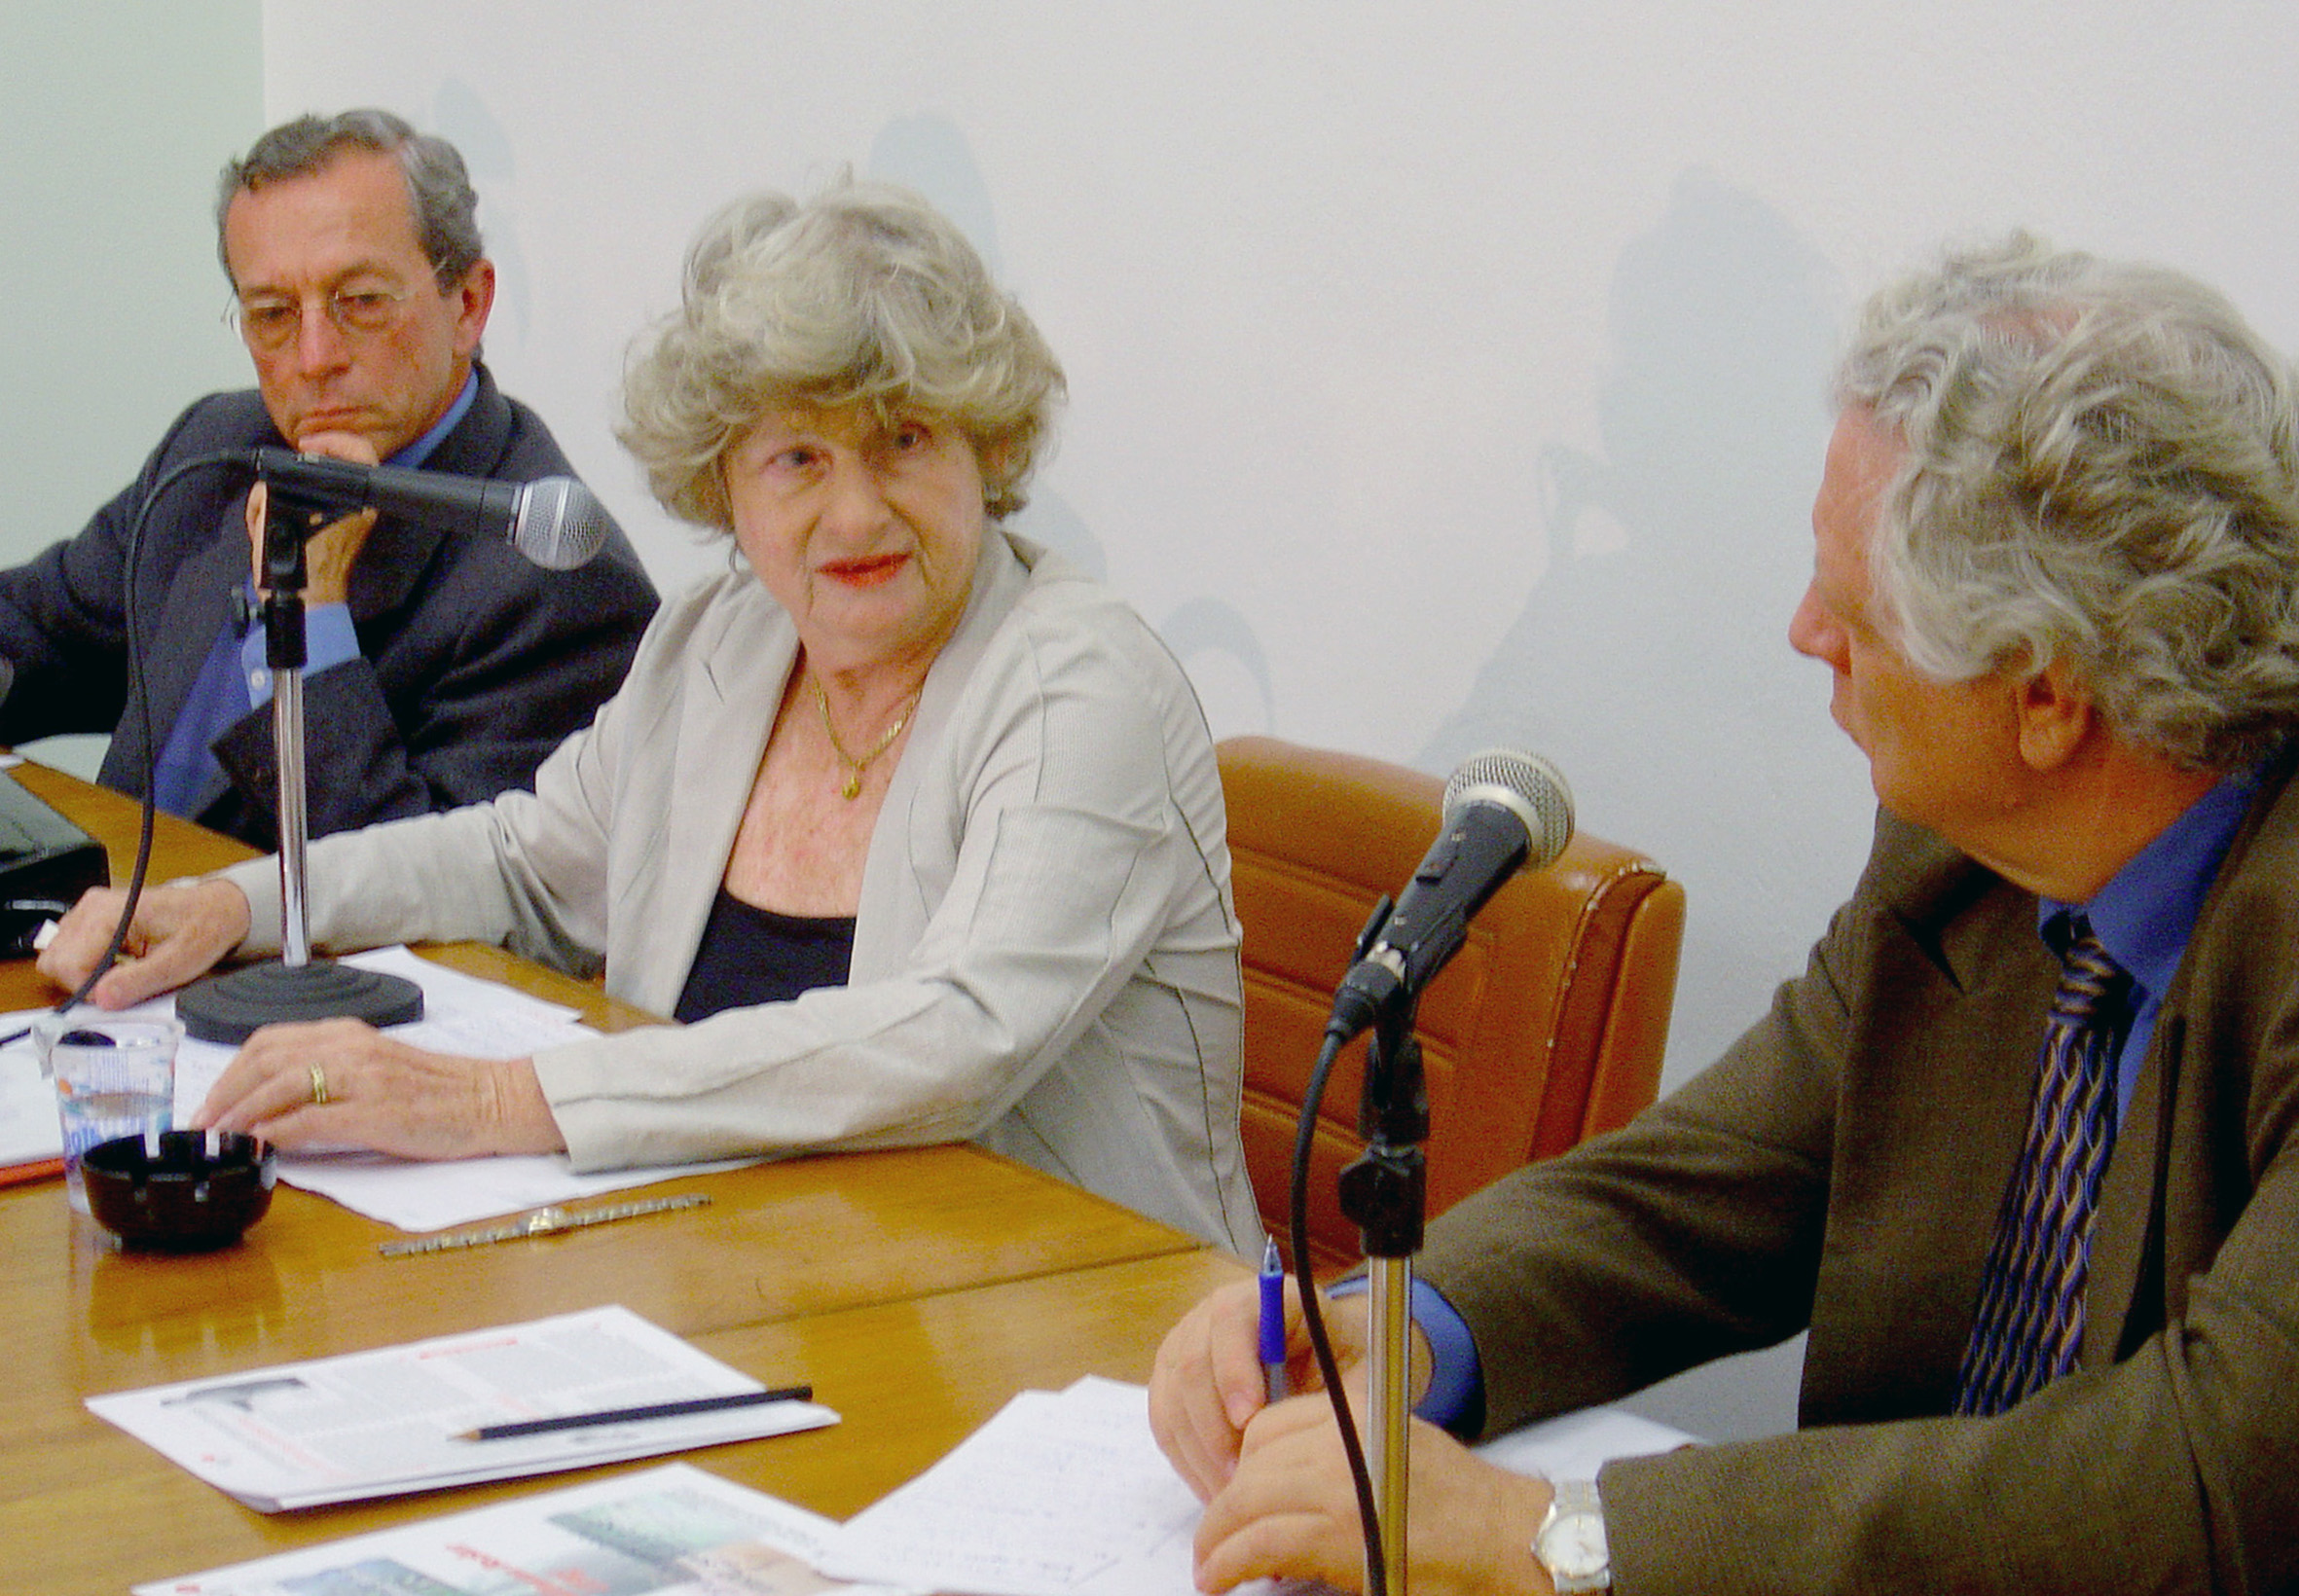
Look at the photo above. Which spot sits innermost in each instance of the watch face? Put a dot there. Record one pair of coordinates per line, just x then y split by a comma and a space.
1574, 1546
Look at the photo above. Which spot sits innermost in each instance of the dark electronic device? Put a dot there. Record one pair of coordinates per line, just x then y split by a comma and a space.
46, 862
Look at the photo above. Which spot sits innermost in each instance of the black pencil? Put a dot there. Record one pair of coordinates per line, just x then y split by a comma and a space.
623, 1415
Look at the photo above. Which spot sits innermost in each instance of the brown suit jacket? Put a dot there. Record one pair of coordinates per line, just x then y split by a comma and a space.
1840, 1170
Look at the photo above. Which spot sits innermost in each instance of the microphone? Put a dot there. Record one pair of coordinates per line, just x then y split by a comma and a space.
1504, 812
555, 522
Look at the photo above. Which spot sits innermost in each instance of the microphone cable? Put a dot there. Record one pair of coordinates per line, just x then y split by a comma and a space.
1313, 1314
1532, 791
140, 690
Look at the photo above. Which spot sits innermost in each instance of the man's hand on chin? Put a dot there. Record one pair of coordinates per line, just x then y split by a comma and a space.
329, 553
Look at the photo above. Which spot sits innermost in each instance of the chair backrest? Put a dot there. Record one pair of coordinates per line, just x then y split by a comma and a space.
1546, 1029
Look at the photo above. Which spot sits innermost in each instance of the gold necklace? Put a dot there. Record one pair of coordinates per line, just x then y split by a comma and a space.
851, 787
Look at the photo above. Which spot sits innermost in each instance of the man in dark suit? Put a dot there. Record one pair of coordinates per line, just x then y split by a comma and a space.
442, 667
2034, 1196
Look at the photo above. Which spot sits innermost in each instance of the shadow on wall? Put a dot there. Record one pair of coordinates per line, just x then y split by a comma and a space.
460, 117
1679, 550
1652, 662
929, 154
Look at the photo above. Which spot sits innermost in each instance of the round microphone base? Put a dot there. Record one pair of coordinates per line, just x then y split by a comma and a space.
232, 1008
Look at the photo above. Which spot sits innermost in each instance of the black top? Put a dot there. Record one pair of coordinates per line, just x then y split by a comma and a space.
755, 956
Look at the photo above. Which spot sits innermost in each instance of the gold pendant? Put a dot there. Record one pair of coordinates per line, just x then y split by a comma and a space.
852, 787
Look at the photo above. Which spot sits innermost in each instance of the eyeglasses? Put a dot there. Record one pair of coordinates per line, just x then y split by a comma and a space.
270, 322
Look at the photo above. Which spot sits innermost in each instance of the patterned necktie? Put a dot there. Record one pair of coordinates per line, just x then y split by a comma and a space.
2030, 1322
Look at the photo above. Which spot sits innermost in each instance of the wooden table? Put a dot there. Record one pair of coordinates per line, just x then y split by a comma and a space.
916, 1289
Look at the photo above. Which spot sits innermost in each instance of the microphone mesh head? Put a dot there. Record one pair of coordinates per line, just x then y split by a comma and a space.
561, 524
1525, 785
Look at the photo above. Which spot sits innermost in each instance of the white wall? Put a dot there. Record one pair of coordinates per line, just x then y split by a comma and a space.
1441, 374
115, 116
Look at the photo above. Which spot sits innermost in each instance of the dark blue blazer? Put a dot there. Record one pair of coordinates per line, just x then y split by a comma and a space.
474, 664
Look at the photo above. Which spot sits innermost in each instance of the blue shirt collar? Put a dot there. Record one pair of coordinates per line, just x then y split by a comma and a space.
2144, 916
417, 453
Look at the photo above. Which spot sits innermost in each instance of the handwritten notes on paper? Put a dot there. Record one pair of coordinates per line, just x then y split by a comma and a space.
1061, 1493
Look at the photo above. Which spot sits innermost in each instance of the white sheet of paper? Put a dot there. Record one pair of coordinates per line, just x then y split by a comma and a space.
461, 1014
389, 1422
671, 1530
1576, 1445
1056, 1493
29, 1130
436, 1196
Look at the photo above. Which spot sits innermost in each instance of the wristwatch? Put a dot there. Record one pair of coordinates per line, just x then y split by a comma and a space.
1570, 1541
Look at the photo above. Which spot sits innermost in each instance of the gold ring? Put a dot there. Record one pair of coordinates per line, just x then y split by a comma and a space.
318, 1085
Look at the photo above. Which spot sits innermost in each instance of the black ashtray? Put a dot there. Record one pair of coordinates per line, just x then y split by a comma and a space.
199, 1190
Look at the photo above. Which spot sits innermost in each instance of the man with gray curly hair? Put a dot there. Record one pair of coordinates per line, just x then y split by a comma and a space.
2035, 1197
441, 666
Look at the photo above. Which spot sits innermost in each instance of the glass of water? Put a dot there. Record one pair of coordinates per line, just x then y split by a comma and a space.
113, 1078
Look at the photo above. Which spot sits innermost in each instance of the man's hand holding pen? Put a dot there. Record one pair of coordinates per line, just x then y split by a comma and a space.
1271, 1472
1210, 1380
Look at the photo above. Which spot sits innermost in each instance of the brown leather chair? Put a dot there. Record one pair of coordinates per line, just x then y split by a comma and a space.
1546, 1029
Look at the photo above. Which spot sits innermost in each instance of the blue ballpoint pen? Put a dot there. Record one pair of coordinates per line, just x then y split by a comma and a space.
1272, 1322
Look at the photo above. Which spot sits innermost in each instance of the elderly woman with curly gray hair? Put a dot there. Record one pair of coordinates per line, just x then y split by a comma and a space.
917, 830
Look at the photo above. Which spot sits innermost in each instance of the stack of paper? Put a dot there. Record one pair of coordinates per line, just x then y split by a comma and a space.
389, 1422
1066, 1495
669, 1529
1061, 1493
31, 1140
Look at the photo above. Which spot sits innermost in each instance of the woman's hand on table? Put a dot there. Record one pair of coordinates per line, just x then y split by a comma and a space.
180, 931
343, 1083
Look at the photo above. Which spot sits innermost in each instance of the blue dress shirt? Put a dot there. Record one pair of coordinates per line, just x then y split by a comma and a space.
2144, 916
236, 680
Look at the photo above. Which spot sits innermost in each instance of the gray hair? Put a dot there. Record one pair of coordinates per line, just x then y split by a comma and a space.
864, 295
2103, 467
439, 193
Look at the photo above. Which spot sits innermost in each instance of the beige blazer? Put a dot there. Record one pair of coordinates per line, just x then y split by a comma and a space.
1841, 1170
1045, 955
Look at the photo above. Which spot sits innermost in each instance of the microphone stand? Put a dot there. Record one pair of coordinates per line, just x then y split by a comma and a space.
1384, 1190
231, 1007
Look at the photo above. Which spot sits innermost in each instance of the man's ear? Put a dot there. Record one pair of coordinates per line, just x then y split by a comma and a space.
475, 300
2054, 714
